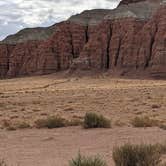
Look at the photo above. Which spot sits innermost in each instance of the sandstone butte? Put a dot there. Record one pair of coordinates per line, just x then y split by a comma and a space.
128, 39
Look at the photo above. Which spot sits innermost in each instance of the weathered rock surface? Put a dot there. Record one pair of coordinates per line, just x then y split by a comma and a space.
27, 34
131, 38
126, 2
5, 52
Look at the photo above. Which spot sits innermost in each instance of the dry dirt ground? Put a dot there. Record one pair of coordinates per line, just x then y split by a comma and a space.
29, 99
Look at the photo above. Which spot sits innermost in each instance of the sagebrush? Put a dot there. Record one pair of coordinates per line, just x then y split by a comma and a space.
93, 120
138, 155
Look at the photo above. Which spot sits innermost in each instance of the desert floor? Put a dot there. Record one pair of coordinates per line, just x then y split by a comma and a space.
33, 98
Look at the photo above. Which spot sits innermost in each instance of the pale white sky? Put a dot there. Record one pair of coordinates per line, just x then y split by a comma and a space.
18, 14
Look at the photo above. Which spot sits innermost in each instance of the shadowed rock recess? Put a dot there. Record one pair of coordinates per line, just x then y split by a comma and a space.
128, 39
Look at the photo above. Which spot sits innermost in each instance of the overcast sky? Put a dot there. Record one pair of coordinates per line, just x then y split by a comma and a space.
18, 14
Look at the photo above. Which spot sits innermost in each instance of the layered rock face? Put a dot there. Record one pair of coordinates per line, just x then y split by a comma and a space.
128, 44
5, 52
131, 38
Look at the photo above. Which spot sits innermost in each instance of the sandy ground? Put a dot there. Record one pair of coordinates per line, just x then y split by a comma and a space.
29, 99
56, 147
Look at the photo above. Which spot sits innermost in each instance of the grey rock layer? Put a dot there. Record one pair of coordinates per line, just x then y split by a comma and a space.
28, 34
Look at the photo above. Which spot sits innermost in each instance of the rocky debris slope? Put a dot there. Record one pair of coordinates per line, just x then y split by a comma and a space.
27, 34
130, 38
126, 2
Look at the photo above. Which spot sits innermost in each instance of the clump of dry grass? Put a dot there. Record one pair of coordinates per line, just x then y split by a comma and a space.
87, 161
144, 121
93, 120
138, 155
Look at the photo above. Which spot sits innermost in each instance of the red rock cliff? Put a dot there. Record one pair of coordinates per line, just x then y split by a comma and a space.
130, 38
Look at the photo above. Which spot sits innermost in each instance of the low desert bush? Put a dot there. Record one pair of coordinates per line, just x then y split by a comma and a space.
51, 122
87, 161
93, 120
144, 121
138, 155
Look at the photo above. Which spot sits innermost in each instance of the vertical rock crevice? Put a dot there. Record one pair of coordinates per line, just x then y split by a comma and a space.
8, 58
118, 52
58, 60
152, 41
72, 46
108, 47
86, 34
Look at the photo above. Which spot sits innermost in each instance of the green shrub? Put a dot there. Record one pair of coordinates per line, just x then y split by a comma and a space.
137, 155
87, 161
51, 122
92, 120
144, 122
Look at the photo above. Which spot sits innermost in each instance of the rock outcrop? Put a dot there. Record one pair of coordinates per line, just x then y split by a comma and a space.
129, 39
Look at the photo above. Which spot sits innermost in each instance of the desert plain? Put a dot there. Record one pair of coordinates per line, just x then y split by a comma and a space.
119, 99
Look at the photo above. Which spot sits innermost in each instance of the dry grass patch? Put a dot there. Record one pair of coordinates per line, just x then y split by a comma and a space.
51, 122
8, 125
56, 122
75, 122
144, 121
23, 125
119, 123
